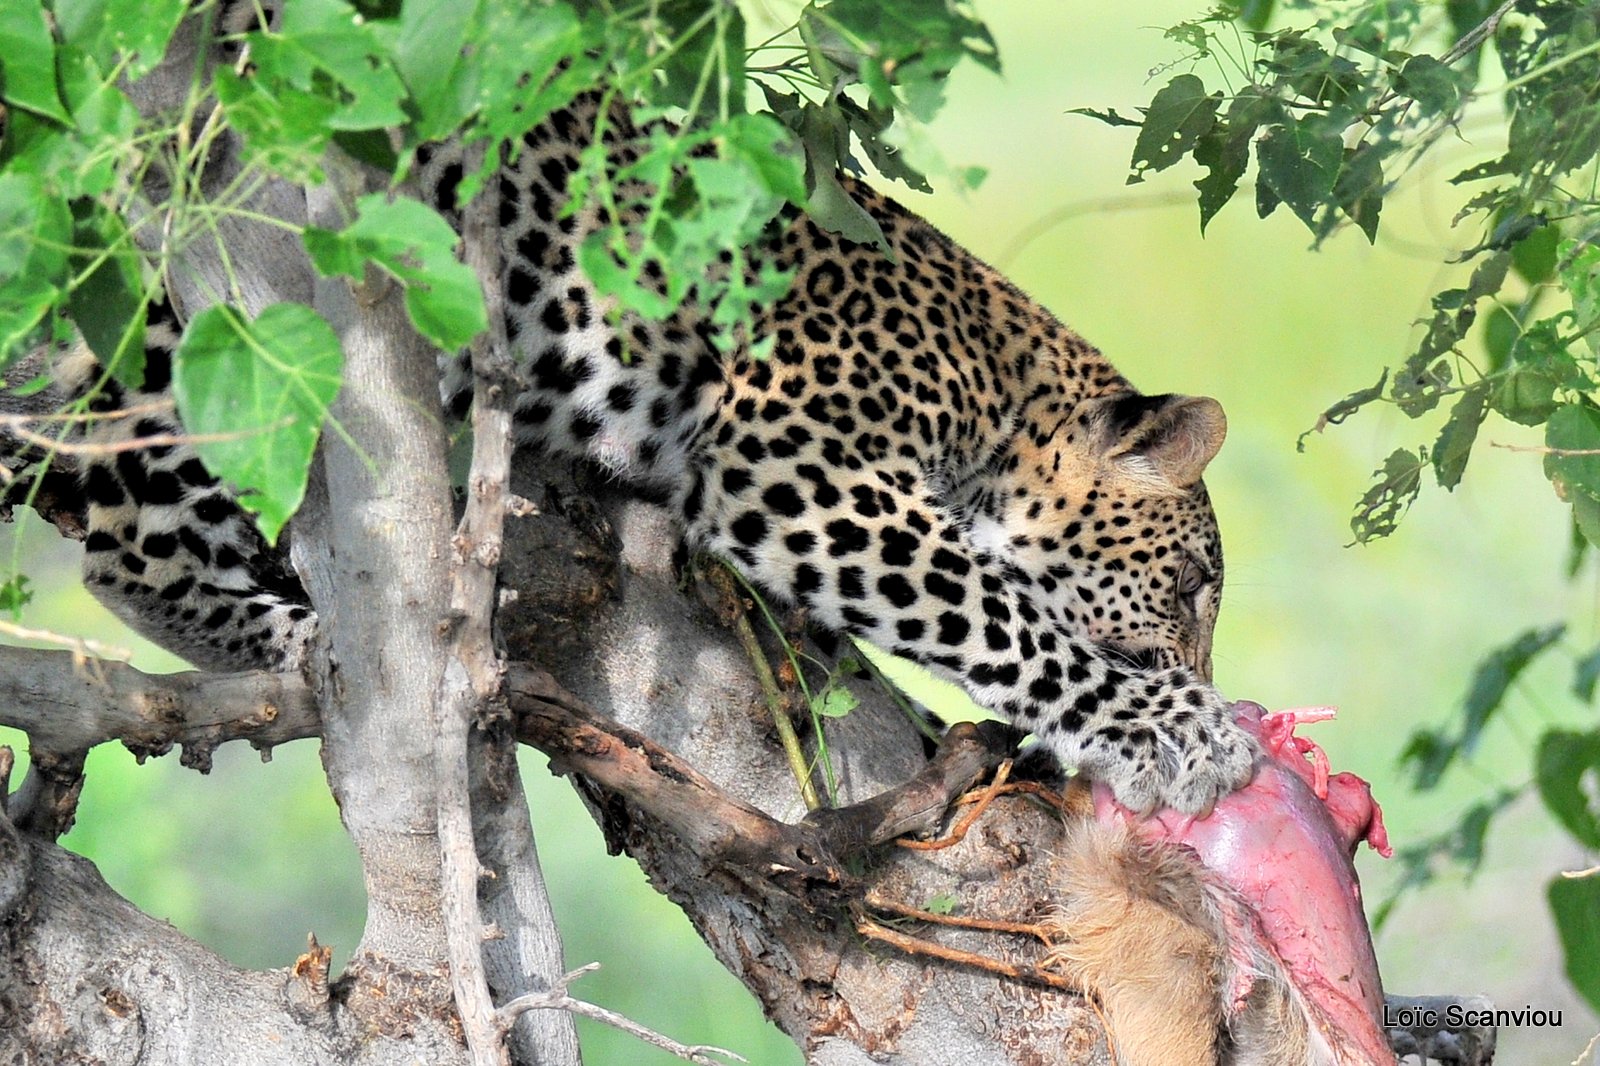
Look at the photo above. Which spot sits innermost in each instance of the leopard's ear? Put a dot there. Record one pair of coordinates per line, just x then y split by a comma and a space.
1169, 438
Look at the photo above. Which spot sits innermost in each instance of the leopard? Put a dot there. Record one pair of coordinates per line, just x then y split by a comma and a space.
926, 459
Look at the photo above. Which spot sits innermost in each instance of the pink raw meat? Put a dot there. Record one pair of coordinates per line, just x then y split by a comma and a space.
1284, 843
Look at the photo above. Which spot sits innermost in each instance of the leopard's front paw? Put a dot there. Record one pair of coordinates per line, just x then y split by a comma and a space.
1185, 758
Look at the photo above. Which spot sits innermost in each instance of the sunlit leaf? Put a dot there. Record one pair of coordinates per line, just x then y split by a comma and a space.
410, 241
326, 49
28, 60
260, 392
35, 230
109, 29
835, 701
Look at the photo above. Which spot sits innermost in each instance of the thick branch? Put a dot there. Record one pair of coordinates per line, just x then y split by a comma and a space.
722, 832
69, 704
480, 795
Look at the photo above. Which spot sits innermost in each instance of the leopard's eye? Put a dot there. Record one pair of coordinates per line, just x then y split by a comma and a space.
1191, 578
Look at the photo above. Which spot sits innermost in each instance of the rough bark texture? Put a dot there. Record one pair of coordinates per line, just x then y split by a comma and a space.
668, 667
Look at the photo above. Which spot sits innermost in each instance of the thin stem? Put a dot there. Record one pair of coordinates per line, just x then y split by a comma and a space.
773, 695
558, 999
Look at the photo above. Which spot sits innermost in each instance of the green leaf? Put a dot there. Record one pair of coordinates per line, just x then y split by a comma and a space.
1435, 87
943, 903
1462, 843
1575, 903
413, 243
1525, 396
1255, 14
108, 306
1225, 150
1344, 409
1428, 753
834, 210
15, 595
835, 701
1585, 675
1585, 526
1359, 188
285, 130
1379, 511
107, 30
915, 43
711, 56
104, 120
768, 154
325, 48
35, 229
1419, 383
1573, 435
33, 386
825, 136
1568, 772
1179, 115
1495, 674
1299, 161
1580, 273
264, 387
28, 60
493, 61
1306, 68
872, 125
1543, 346
1500, 332
1534, 256
431, 54
1454, 446
1109, 116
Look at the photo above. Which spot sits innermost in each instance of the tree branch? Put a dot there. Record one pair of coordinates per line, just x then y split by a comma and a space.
472, 673
557, 999
66, 703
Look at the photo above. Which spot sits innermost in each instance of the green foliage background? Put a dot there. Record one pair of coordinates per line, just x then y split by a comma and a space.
252, 857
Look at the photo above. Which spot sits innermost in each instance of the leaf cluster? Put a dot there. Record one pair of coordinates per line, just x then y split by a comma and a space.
1325, 116
1330, 118
98, 201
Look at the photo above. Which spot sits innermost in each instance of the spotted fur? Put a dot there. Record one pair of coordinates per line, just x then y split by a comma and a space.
928, 459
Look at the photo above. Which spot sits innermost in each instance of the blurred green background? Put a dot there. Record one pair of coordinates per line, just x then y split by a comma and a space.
252, 857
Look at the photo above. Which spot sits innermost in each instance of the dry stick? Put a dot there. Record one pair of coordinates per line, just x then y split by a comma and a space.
1019, 971
82, 647
884, 905
959, 832
557, 999
472, 675
152, 407
133, 444
1540, 449
1024, 788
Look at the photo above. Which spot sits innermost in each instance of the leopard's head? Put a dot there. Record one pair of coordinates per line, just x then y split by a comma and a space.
1106, 503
